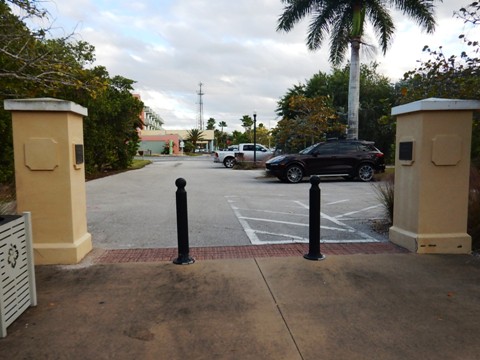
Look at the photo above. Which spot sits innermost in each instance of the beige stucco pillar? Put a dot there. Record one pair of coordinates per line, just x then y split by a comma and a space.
50, 176
432, 168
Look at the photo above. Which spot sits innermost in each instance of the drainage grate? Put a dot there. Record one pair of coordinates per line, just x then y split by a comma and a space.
17, 274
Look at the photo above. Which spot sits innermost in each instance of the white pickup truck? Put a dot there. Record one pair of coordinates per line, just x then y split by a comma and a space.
244, 151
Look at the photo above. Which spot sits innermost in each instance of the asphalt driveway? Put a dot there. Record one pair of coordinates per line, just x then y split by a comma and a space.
226, 207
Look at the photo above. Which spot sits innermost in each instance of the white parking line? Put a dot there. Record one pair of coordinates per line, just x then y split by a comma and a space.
252, 234
339, 223
297, 224
273, 212
292, 237
338, 202
358, 211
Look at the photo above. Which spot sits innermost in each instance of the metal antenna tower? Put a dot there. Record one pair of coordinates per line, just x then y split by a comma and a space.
200, 107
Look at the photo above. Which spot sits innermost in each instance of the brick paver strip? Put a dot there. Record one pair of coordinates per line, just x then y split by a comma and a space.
245, 252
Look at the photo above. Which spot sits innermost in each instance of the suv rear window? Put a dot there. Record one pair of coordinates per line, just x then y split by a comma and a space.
366, 147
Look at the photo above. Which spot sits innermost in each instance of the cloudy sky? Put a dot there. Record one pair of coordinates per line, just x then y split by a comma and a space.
169, 46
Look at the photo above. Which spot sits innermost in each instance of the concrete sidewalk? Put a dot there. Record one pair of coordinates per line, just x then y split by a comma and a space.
384, 306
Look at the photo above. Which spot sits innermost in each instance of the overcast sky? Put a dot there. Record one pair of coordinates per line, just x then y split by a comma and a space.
169, 46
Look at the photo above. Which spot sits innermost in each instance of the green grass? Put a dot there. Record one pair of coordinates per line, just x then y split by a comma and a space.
136, 164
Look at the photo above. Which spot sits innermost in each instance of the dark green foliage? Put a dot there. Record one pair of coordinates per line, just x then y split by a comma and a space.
189, 148
453, 77
110, 130
6, 148
474, 208
211, 124
194, 136
239, 137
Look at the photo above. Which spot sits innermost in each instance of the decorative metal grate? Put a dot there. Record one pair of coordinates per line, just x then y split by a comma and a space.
17, 271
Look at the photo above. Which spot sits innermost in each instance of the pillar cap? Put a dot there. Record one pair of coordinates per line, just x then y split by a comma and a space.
44, 104
436, 104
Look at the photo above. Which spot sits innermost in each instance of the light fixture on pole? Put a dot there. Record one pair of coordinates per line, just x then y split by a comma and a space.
255, 138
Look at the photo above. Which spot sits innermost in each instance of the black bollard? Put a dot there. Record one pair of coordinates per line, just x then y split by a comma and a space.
314, 222
182, 225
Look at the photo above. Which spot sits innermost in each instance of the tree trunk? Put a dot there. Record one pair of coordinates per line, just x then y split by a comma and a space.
354, 90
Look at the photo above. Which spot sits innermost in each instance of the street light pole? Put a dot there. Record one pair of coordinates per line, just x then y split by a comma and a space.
255, 138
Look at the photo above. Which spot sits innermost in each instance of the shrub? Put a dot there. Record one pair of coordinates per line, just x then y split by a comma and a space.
7, 200
385, 193
249, 165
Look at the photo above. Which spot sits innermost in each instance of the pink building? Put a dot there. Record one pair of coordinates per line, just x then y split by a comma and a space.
156, 144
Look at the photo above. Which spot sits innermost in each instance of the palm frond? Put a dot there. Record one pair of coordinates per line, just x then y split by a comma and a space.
293, 12
421, 11
382, 23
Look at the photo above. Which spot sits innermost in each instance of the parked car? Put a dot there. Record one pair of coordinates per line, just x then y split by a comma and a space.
244, 151
347, 158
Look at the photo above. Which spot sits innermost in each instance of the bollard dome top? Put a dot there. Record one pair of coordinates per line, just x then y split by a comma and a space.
180, 182
315, 180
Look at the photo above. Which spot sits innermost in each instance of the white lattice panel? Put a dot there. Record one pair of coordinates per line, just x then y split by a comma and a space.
17, 275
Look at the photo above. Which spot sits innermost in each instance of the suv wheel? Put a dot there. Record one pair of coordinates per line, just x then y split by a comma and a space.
294, 174
365, 172
229, 162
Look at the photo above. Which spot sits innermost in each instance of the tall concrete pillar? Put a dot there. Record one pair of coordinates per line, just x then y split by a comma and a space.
432, 169
50, 176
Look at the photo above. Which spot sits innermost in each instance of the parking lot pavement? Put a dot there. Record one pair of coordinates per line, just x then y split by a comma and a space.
226, 207
284, 219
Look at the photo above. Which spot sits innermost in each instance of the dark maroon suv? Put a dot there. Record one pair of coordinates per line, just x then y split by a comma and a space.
347, 158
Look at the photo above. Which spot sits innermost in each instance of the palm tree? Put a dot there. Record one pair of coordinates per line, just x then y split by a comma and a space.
222, 136
247, 123
194, 136
222, 125
345, 21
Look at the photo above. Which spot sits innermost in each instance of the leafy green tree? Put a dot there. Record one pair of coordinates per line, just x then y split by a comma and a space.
449, 76
110, 130
377, 96
239, 137
33, 66
263, 135
194, 136
345, 22
314, 119
31, 62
